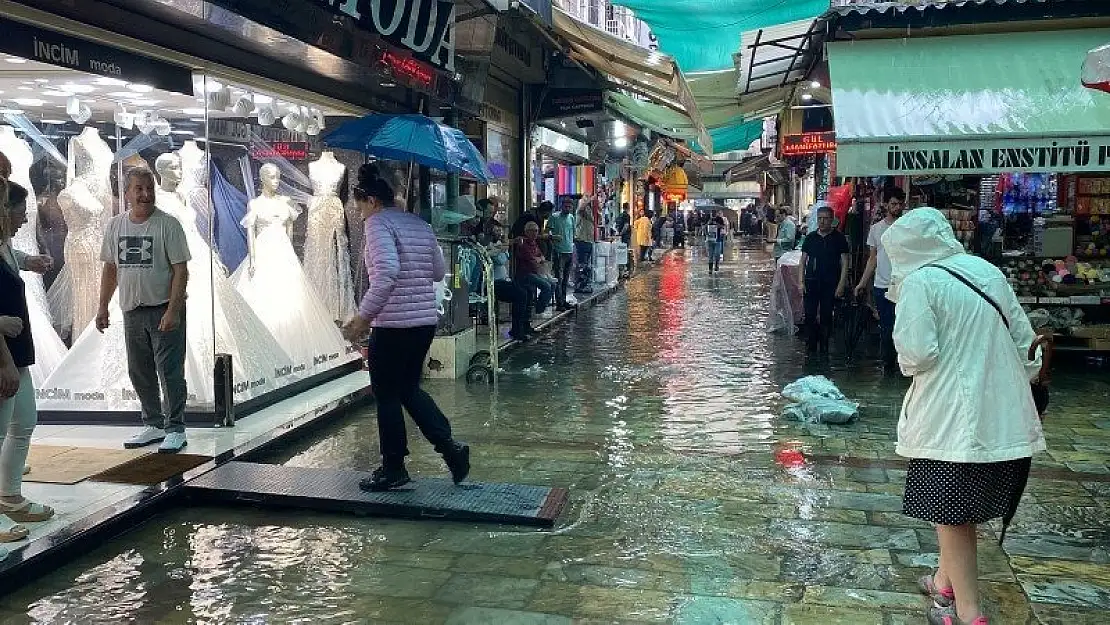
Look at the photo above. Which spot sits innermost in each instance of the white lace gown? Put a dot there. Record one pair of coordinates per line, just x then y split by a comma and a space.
49, 348
327, 257
86, 205
217, 321
280, 294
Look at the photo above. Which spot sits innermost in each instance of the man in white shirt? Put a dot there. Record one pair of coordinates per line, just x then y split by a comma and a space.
878, 266
145, 254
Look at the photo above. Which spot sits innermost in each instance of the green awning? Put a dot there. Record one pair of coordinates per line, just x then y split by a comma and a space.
969, 104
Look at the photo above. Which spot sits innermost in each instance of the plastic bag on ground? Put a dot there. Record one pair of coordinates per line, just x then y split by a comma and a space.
818, 400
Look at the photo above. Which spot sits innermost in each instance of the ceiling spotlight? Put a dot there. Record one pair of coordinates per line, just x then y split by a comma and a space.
109, 82
73, 106
291, 120
139, 87
55, 93
219, 99
29, 101
73, 88
193, 111
815, 84
621, 142
244, 105
807, 96
15, 59
53, 122
122, 118
266, 116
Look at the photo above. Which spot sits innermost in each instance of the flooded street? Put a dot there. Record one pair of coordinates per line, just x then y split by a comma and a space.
692, 500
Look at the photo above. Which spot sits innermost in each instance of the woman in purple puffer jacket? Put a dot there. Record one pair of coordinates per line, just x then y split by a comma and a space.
403, 260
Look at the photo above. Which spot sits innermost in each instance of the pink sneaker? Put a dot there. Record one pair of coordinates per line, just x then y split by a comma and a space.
942, 597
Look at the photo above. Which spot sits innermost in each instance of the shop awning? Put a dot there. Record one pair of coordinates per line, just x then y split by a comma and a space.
969, 104
649, 74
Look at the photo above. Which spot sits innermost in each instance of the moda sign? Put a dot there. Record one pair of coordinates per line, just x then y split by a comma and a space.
426, 27
974, 157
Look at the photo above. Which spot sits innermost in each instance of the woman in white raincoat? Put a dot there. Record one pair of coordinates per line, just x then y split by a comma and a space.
968, 423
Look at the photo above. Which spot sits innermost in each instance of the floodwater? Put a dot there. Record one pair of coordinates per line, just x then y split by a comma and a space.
693, 501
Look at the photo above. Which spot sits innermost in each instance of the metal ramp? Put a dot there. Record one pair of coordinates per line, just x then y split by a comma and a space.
335, 490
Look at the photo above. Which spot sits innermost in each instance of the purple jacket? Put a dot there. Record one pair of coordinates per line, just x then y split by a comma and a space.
403, 259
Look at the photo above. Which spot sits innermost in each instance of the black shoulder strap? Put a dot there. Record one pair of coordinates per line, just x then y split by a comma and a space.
979, 291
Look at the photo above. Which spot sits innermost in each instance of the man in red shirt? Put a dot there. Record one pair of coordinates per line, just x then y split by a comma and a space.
529, 261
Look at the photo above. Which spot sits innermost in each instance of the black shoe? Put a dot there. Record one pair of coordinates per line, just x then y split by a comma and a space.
458, 461
522, 337
385, 478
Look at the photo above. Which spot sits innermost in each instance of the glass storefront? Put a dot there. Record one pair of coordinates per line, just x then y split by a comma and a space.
262, 202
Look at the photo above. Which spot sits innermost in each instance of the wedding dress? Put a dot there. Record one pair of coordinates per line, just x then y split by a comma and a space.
327, 258
194, 186
86, 204
49, 348
217, 320
279, 292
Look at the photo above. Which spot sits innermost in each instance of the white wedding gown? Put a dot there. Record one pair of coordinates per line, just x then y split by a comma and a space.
280, 293
327, 257
49, 348
86, 205
217, 321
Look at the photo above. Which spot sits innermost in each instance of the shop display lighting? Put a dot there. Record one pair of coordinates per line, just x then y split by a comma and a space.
55, 122
266, 115
193, 111
42, 80
26, 88
10, 111
807, 97
55, 93
76, 88
122, 118
31, 102
244, 105
16, 60
815, 84
291, 120
105, 81
139, 87
621, 142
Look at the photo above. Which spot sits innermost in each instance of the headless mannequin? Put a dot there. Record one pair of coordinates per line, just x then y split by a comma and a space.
327, 259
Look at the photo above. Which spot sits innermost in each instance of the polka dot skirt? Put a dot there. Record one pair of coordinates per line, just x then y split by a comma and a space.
954, 493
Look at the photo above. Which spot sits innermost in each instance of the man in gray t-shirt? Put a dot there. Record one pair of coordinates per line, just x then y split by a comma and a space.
145, 254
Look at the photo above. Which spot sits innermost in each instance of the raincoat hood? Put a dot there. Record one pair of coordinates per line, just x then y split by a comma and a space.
919, 237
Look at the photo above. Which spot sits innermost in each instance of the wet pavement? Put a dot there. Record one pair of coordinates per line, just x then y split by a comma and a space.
692, 500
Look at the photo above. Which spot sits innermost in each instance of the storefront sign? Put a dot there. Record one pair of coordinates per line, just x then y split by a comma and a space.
426, 27
571, 102
414, 73
240, 132
47, 46
288, 150
974, 157
808, 143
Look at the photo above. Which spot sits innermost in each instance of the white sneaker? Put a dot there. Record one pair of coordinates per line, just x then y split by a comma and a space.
148, 436
175, 442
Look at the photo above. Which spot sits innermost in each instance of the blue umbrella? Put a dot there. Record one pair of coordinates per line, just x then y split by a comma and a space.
413, 139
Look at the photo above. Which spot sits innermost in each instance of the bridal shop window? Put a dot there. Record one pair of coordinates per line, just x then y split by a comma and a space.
262, 202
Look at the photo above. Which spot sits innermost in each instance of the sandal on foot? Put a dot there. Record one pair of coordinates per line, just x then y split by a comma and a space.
947, 616
26, 511
942, 597
11, 532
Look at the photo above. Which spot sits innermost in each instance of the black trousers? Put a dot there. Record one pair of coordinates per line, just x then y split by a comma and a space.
508, 292
562, 266
396, 365
819, 300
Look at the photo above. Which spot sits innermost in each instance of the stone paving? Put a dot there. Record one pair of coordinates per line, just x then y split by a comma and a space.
693, 502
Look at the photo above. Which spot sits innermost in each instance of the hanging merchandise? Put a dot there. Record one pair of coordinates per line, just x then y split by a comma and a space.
575, 179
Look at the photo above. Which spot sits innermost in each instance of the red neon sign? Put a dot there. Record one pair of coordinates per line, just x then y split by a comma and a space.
808, 143
413, 71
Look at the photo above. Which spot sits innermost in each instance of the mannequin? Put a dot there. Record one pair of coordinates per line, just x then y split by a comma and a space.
327, 257
194, 186
275, 286
86, 204
49, 348
219, 321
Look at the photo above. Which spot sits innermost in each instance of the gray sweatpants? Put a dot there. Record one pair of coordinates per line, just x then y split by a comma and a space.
155, 357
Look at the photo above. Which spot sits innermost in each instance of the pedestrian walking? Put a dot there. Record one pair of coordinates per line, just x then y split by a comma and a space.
878, 266
824, 279
969, 424
715, 233
18, 414
403, 261
145, 256
642, 235
788, 232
